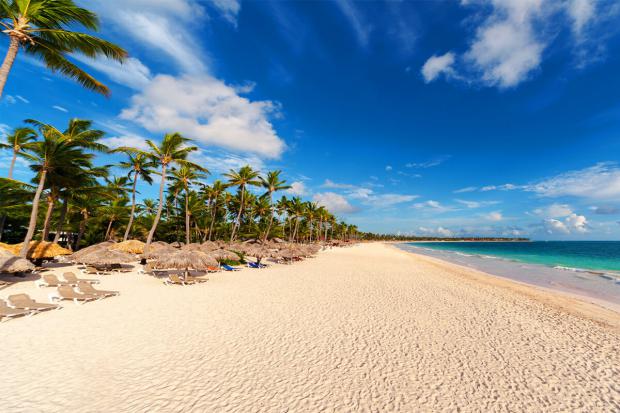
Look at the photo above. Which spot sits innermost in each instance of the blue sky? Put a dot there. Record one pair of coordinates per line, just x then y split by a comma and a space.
429, 118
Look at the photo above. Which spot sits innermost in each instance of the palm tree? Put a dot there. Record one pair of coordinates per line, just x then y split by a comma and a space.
172, 149
214, 192
241, 178
272, 183
54, 153
139, 165
19, 141
42, 29
297, 209
184, 177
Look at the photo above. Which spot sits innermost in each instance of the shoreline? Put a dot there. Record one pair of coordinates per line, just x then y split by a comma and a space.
365, 328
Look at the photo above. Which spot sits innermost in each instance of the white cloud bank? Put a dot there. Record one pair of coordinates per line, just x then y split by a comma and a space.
334, 202
436, 65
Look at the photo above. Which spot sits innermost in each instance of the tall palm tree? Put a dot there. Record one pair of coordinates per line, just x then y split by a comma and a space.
297, 209
18, 141
184, 177
214, 192
42, 28
242, 178
54, 153
272, 183
139, 165
171, 150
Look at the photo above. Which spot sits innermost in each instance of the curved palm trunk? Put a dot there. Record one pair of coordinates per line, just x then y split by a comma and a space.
133, 206
296, 228
12, 167
61, 220
9, 58
270, 217
33, 215
187, 229
47, 223
238, 220
213, 216
109, 230
160, 207
82, 230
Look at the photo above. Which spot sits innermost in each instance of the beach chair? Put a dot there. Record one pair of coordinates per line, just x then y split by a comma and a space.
24, 302
176, 280
196, 279
50, 280
73, 279
256, 265
87, 288
93, 270
66, 292
213, 269
7, 312
227, 267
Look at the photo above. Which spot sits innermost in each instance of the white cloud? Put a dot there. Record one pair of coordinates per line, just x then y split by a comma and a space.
207, 110
505, 187
494, 216
388, 167
60, 108
228, 8
572, 224
577, 223
581, 12
21, 98
218, 162
335, 203
10, 100
466, 189
131, 140
476, 204
432, 206
554, 211
298, 188
428, 164
439, 231
436, 65
334, 185
387, 200
599, 182
132, 73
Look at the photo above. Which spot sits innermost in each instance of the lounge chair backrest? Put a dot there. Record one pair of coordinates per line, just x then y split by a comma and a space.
20, 298
3, 304
66, 290
85, 287
175, 278
51, 279
70, 277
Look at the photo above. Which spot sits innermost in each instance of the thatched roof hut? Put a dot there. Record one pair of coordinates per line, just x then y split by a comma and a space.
11, 263
42, 250
132, 246
184, 260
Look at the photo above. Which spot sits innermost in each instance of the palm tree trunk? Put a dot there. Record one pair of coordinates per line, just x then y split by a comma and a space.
107, 232
12, 167
187, 230
9, 58
213, 216
133, 206
81, 231
296, 228
47, 223
160, 207
33, 215
238, 220
61, 220
270, 217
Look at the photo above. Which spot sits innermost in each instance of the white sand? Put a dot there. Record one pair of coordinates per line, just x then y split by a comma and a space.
367, 328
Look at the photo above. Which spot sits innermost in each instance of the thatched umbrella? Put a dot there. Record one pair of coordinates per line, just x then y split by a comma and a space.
6, 247
222, 254
258, 252
185, 260
76, 256
132, 246
107, 257
12, 263
157, 250
39, 250
194, 246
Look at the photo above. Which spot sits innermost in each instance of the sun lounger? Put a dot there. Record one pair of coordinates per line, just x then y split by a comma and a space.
196, 279
73, 279
256, 265
213, 269
50, 280
227, 267
94, 270
87, 288
66, 292
24, 302
175, 279
7, 312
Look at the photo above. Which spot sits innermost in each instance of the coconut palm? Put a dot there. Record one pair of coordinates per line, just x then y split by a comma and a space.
139, 165
42, 28
18, 141
214, 193
242, 178
54, 153
184, 177
272, 183
171, 150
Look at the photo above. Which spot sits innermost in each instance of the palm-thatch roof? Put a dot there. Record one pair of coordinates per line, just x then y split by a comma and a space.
158, 249
184, 260
132, 246
194, 246
76, 256
11, 263
42, 249
222, 254
6, 247
106, 256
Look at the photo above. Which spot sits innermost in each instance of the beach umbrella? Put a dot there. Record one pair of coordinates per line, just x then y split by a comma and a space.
132, 246
194, 246
11, 263
38, 250
106, 256
222, 254
159, 249
209, 246
185, 260
75, 257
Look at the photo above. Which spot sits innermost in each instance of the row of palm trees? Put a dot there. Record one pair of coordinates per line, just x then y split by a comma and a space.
79, 194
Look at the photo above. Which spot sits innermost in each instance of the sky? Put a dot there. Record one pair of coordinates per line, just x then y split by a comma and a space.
471, 118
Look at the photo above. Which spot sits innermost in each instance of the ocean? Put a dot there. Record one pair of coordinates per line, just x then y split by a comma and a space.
587, 268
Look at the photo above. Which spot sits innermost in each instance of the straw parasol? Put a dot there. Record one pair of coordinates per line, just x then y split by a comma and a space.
76, 256
38, 250
222, 254
194, 246
159, 249
184, 260
6, 247
132, 246
106, 256
11, 263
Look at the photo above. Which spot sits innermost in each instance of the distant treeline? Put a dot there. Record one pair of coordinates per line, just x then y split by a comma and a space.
391, 237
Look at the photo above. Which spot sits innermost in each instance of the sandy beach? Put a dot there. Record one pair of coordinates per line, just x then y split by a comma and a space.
367, 328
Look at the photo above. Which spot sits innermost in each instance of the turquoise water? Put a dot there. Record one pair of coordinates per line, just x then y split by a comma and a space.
590, 255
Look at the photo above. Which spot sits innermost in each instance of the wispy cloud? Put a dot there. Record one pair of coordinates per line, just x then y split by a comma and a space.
428, 164
60, 108
334, 202
358, 23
